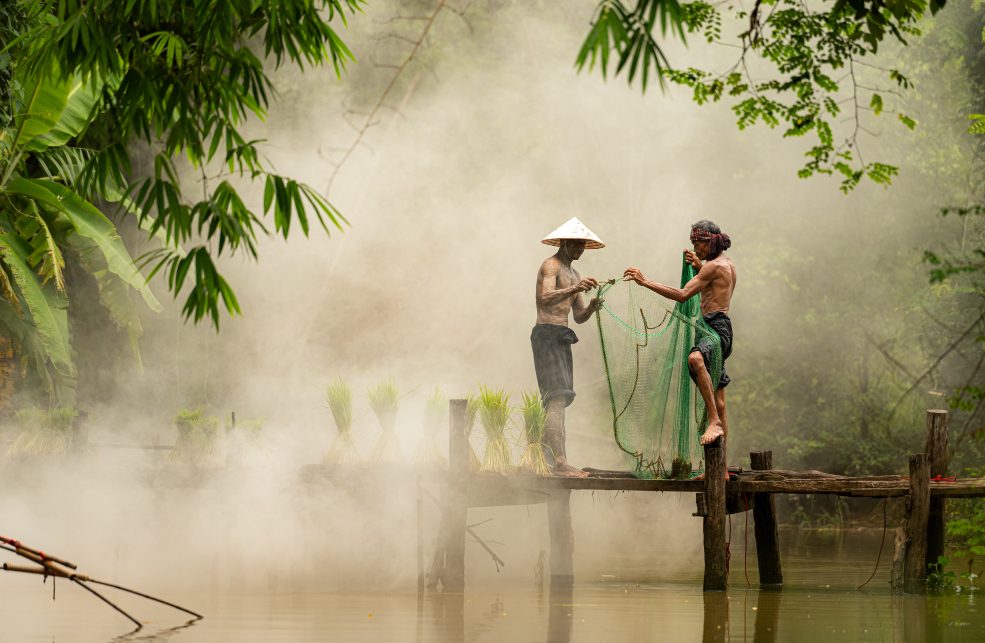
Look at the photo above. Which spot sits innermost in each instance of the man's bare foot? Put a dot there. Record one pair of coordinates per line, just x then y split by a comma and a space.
712, 433
565, 470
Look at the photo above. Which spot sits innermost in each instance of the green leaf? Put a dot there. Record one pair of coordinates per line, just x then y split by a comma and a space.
876, 104
80, 99
48, 308
91, 225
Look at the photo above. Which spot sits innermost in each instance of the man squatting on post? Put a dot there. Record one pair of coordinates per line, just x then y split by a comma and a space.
715, 282
559, 288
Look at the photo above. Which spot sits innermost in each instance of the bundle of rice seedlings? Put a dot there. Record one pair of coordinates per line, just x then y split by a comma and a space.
384, 399
43, 432
343, 449
534, 419
428, 451
198, 439
494, 413
471, 413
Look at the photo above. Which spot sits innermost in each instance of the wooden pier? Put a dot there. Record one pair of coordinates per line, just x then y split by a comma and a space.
919, 540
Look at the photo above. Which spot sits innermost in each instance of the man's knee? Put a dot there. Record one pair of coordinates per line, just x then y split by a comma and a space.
696, 362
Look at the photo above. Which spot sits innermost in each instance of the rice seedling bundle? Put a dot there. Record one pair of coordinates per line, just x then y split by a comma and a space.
384, 399
43, 431
494, 413
198, 439
428, 450
343, 449
534, 418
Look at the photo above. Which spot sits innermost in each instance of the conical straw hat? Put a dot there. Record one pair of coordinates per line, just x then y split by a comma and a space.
574, 229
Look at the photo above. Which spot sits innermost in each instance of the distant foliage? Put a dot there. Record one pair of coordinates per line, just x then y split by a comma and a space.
812, 51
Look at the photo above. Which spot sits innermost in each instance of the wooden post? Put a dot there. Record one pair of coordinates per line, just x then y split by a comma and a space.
936, 448
80, 433
420, 539
454, 502
716, 565
562, 536
767, 535
915, 556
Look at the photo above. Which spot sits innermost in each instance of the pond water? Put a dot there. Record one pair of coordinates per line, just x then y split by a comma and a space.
606, 603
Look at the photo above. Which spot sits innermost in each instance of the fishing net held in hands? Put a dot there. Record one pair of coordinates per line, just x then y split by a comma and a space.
657, 411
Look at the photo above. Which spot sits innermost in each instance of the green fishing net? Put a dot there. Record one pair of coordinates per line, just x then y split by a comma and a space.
657, 412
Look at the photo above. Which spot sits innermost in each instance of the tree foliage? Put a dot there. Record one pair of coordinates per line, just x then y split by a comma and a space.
813, 53
85, 84
183, 77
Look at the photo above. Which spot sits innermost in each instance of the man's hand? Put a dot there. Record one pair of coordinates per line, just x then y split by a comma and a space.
692, 259
633, 274
594, 305
587, 284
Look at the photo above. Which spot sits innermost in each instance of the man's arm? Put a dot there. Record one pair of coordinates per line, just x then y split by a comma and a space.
548, 292
580, 311
691, 288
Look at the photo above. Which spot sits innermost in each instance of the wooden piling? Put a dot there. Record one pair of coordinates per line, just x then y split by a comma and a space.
915, 554
716, 563
451, 557
421, 581
562, 536
936, 448
767, 534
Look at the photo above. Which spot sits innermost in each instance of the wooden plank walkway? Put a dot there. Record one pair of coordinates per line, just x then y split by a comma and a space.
919, 539
869, 487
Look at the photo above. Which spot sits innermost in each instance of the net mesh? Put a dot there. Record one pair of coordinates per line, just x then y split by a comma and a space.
657, 411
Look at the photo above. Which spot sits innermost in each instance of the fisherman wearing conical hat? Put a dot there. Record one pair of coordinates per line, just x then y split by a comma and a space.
559, 288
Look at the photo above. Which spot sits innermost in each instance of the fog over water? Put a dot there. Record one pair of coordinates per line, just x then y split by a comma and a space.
498, 140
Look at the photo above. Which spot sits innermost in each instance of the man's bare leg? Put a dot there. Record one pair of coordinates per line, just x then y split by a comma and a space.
715, 427
554, 438
720, 405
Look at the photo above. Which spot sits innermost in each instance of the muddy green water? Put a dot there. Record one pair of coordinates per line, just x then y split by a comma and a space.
818, 603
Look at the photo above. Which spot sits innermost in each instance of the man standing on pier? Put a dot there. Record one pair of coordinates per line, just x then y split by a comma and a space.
559, 288
715, 282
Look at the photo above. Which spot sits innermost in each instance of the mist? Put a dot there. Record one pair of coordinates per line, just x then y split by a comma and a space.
496, 139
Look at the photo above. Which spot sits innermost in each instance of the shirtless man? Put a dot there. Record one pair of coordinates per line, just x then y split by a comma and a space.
559, 288
715, 282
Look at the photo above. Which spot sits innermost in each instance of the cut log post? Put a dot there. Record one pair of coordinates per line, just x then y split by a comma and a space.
716, 563
562, 537
936, 448
915, 557
450, 559
767, 535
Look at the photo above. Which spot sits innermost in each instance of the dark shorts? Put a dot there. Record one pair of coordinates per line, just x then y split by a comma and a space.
723, 326
551, 344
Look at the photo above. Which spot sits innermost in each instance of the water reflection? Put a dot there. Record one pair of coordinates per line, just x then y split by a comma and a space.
767, 615
160, 635
561, 613
715, 628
